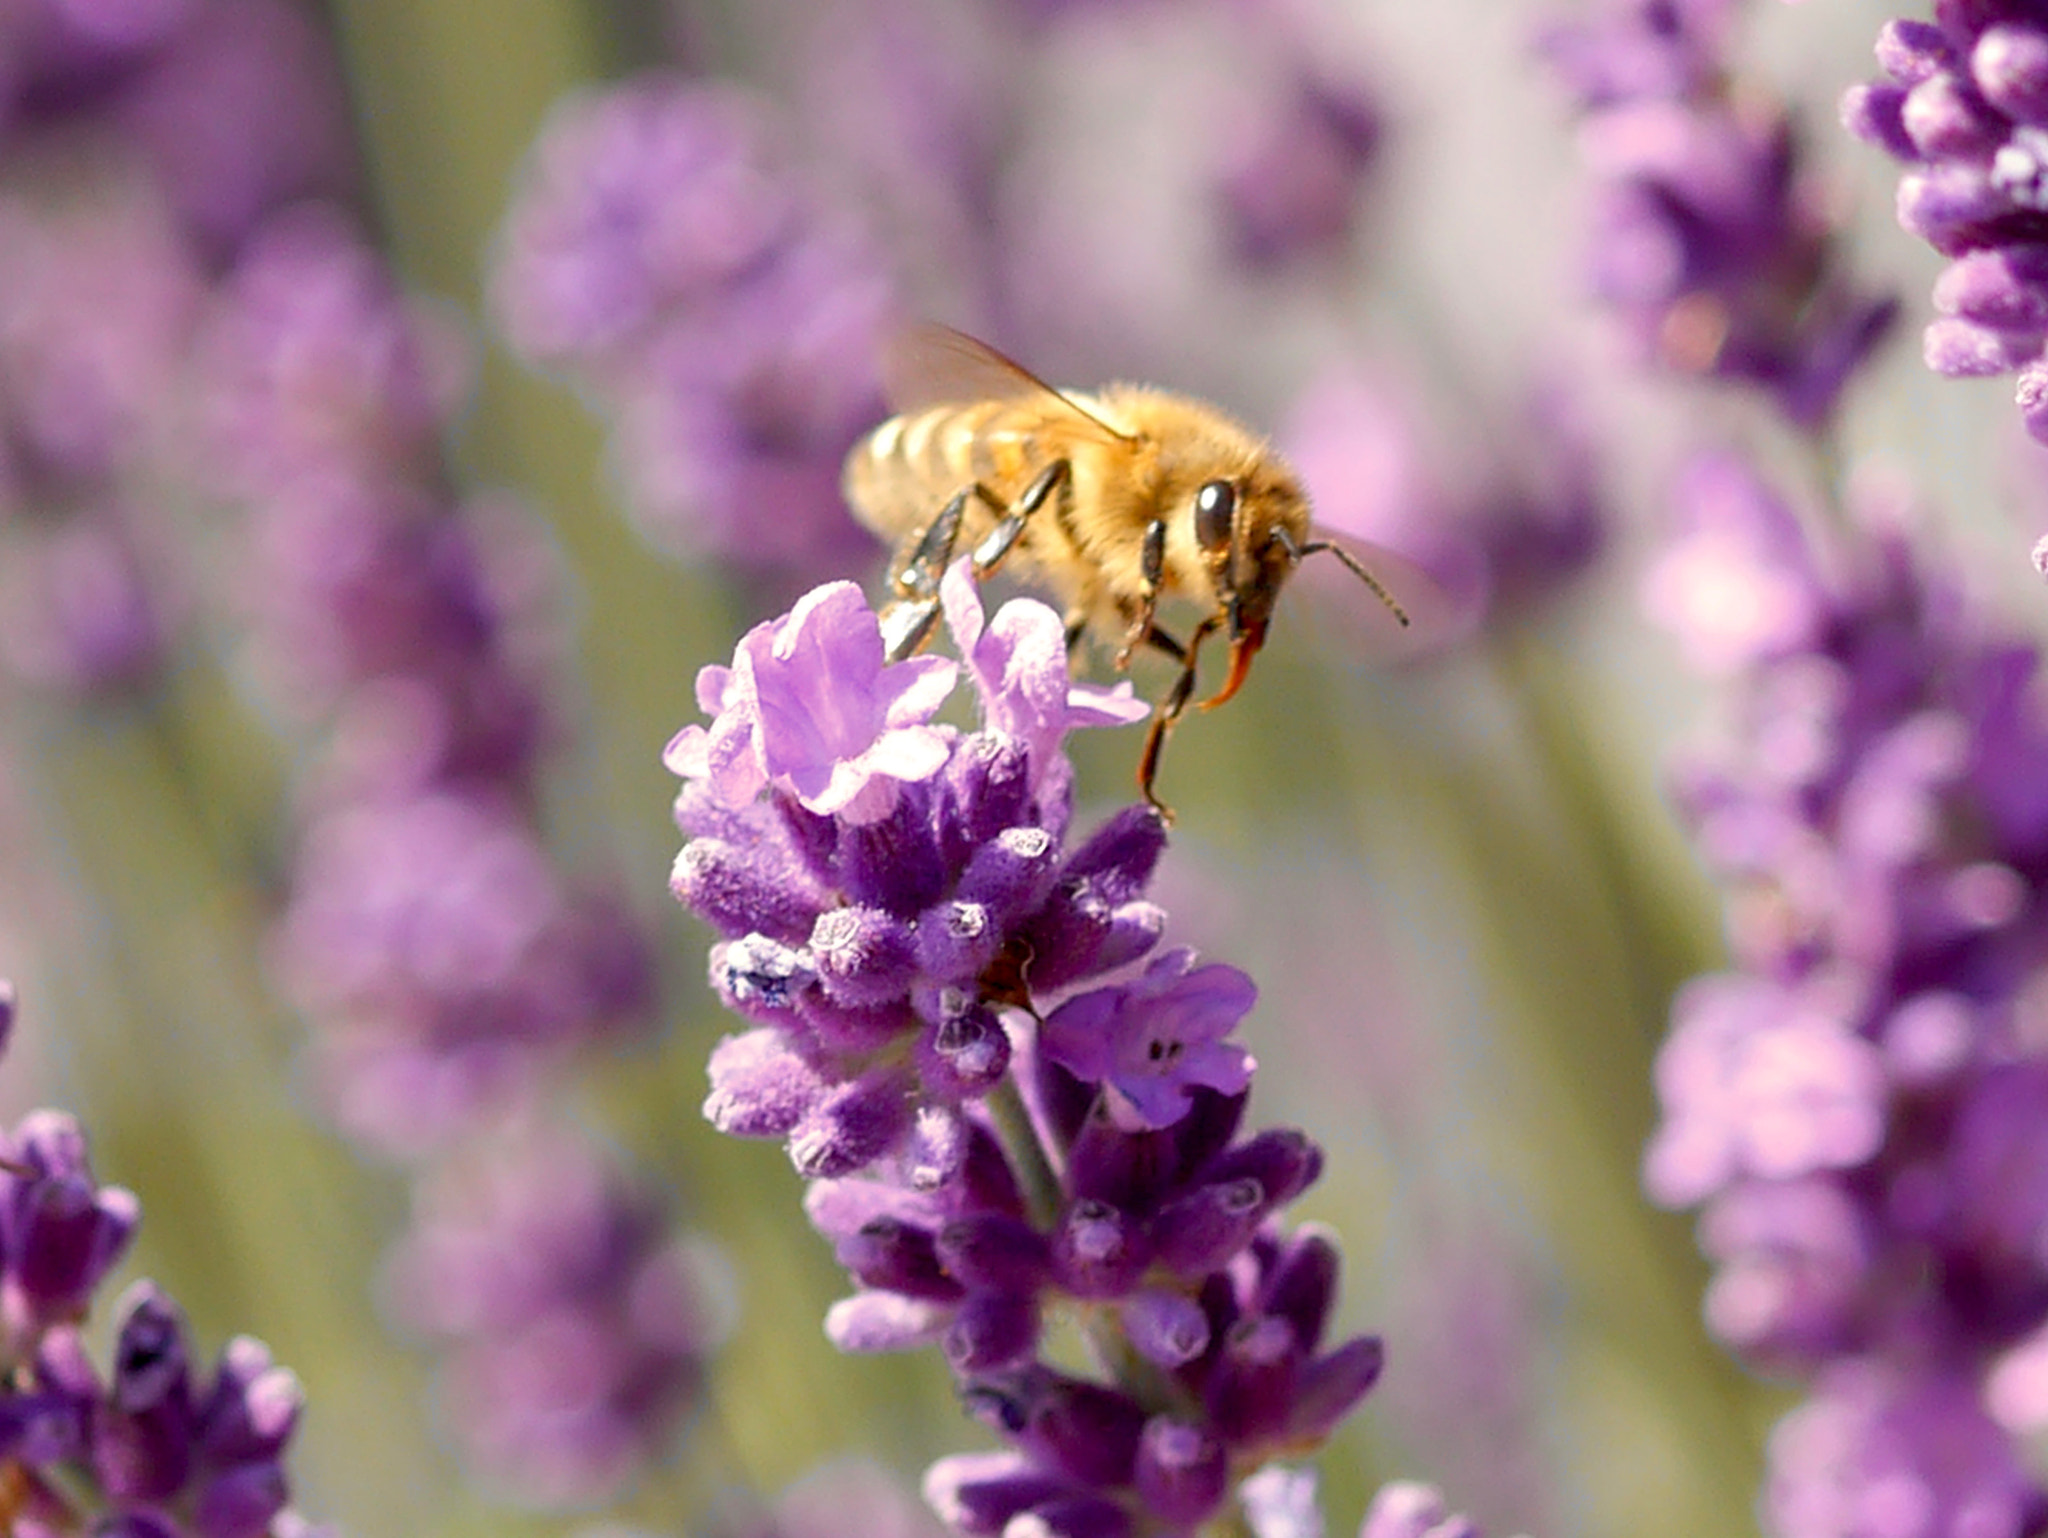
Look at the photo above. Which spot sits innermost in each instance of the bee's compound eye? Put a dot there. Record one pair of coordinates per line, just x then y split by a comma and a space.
1215, 512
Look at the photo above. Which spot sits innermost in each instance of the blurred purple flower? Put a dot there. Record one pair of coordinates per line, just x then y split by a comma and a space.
449, 961
240, 113
576, 1325
1711, 242
1496, 538
1290, 182
660, 255
1858, 1103
315, 368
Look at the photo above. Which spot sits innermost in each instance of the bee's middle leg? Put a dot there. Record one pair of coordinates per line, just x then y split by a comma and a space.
1002, 539
908, 620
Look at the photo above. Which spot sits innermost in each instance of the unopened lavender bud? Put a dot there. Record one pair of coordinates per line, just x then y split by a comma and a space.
1909, 51
1088, 1431
1197, 1233
759, 1088
1284, 1161
2006, 289
1167, 1328
1331, 1385
992, 1330
897, 1257
1962, 349
738, 893
1183, 1473
993, 1252
851, 1125
142, 1449
1303, 1284
885, 1321
1876, 114
864, 956
1011, 874
986, 788
895, 863
980, 1492
956, 941
964, 1056
2010, 66
1250, 1395
1943, 117
1120, 856
1098, 1251
1944, 203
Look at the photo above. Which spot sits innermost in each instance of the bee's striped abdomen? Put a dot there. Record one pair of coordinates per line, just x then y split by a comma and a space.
911, 464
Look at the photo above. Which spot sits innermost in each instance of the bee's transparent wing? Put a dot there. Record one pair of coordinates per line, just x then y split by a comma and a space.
927, 364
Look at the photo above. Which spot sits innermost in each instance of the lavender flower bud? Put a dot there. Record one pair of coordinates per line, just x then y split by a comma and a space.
1098, 1252
1167, 1328
741, 894
1182, 1473
851, 1125
892, 1255
864, 956
963, 1056
759, 1088
992, 1330
995, 1253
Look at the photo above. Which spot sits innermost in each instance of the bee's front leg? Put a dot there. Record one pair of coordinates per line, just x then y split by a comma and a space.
1151, 574
1173, 705
1002, 539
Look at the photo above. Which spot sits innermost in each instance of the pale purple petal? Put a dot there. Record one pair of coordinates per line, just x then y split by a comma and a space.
885, 1321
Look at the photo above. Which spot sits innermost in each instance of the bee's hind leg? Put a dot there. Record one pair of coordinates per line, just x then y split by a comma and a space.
1002, 539
908, 619
1170, 708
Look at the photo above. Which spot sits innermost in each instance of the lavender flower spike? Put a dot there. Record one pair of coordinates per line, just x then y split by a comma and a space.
811, 707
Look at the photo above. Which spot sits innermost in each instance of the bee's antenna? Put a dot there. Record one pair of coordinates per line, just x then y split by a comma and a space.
1351, 564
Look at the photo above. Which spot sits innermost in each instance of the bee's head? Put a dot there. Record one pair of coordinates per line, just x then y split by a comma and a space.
1250, 530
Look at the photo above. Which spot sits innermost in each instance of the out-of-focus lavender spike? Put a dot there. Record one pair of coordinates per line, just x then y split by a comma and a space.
661, 254
575, 1325
1712, 243
1846, 1101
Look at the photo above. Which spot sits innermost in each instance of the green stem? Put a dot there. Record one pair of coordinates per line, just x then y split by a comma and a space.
1028, 1156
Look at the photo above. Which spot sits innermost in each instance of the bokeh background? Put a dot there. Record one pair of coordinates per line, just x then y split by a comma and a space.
1453, 872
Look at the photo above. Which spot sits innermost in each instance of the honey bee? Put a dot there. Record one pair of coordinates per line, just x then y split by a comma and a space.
1113, 500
